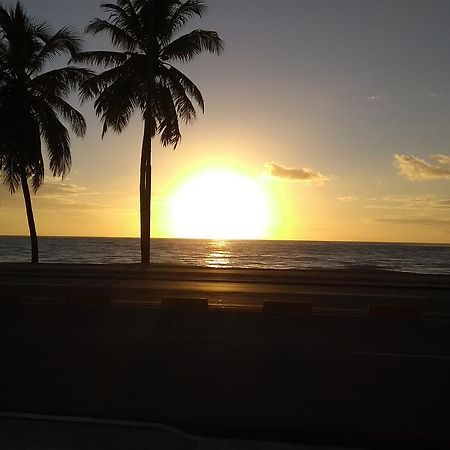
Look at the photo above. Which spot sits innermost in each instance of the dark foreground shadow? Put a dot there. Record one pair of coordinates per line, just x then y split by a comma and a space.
347, 380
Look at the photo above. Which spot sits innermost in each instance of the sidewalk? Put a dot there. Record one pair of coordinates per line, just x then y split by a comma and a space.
83, 434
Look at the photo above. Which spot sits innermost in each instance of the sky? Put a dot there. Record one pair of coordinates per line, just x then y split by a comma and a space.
338, 111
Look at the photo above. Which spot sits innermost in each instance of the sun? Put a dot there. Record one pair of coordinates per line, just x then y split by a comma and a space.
219, 204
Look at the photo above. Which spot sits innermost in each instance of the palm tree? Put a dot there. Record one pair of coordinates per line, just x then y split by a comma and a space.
32, 103
141, 76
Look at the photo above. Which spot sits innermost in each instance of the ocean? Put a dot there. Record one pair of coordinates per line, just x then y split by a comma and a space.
416, 258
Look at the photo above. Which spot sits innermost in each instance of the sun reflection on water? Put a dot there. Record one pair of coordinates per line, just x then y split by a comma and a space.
219, 254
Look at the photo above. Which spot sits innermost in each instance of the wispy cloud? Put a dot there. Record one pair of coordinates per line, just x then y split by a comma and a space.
424, 210
415, 203
375, 98
429, 222
417, 169
432, 94
301, 175
348, 198
55, 195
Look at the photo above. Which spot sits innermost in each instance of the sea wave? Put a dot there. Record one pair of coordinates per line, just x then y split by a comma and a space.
415, 258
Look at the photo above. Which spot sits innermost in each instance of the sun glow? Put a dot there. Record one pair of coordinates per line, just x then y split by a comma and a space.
219, 204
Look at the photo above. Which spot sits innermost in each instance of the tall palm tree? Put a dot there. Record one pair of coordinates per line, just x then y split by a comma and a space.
33, 102
141, 76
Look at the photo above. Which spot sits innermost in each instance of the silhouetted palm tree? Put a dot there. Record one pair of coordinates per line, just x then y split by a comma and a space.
32, 103
141, 76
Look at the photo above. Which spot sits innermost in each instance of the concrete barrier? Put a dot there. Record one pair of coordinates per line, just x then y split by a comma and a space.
87, 299
184, 303
286, 306
409, 312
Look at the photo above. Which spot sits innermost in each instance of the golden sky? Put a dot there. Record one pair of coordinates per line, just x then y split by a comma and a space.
338, 119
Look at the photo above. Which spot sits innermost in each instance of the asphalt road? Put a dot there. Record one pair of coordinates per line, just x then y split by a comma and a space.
344, 379
335, 376
237, 288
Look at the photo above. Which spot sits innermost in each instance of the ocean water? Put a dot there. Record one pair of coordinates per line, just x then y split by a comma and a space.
416, 258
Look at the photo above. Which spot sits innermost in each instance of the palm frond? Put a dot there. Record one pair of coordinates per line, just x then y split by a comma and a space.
9, 163
63, 41
37, 173
124, 15
100, 58
9, 168
32, 103
119, 37
183, 105
118, 116
172, 73
70, 115
56, 138
17, 31
181, 14
189, 45
93, 86
166, 114
117, 102
139, 78
20, 148
60, 82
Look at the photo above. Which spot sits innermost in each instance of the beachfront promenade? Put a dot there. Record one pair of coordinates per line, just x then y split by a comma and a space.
132, 284
334, 375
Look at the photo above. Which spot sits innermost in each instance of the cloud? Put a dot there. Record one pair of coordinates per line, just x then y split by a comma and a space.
416, 221
430, 203
301, 175
410, 210
443, 160
348, 199
416, 169
374, 98
54, 195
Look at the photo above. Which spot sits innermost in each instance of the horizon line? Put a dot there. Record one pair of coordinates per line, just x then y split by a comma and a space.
343, 241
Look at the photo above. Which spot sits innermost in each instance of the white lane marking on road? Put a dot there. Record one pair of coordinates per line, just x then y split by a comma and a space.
402, 355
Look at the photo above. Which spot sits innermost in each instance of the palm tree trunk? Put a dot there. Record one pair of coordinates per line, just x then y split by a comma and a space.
30, 217
145, 190
146, 169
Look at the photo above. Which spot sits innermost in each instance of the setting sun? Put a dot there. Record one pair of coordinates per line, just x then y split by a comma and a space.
219, 204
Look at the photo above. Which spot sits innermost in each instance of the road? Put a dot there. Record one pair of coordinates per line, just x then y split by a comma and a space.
317, 378
236, 288
235, 370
